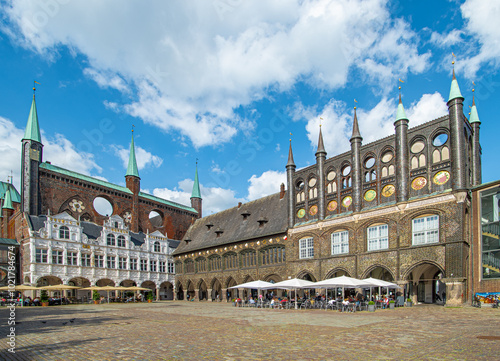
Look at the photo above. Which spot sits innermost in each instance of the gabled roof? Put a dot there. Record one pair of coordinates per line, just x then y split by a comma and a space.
14, 194
264, 217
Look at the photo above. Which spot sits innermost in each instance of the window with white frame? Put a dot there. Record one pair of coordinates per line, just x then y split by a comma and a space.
99, 260
111, 261
156, 246
171, 268
378, 237
162, 266
85, 259
122, 263
57, 257
41, 255
152, 266
340, 242
72, 258
144, 264
120, 241
64, 232
110, 239
425, 230
306, 248
133, 264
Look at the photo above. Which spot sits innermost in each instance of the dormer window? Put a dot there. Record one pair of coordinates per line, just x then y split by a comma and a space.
116, 224
64, 232
219, 232
156, 246
209, 225
262, 221
245, 214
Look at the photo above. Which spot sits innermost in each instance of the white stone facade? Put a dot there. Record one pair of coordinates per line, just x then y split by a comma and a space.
64, 249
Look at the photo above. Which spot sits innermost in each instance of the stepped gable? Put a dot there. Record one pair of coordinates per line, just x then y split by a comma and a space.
260, 218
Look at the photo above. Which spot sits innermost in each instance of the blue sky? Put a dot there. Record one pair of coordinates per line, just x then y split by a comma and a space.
226, 81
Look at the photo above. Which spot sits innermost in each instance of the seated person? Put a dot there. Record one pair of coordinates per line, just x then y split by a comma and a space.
251, 301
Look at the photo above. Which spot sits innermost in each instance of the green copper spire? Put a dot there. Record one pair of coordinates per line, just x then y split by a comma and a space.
7, 203
474, 118
132, 163
454, 90
196, 186
401, 110
32, 129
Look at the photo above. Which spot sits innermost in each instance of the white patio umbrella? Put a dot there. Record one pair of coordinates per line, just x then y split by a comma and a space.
292, 284
380, 283
258, 285
344, 282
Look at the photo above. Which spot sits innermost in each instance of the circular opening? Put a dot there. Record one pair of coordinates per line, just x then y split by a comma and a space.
300, 185
369, 162
440, 139
155, 219
346, 170
103, 206
331, 175
312, 182
387, 157
417, 147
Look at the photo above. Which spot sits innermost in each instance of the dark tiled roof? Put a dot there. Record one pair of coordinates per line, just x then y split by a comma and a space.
92, 230
36, 222
270, 211
172, 243
137, 238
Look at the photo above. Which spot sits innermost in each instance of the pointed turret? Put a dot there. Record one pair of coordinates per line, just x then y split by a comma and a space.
290, 171
356, 171
401, 110
355, 128
320, 166
454, 90
321, 146
7, 203
290, 156
32, 131
196, 201
474, 117
457, 139
132, 163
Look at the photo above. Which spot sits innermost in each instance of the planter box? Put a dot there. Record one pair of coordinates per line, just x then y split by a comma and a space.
149, 301
96, 302
408, 304
371, 308
392, 306
45, 304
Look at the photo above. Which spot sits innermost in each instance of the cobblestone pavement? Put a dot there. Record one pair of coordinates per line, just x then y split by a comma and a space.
218, 331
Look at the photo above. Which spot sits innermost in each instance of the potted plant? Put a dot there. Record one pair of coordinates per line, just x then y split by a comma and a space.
371, 306
149, 297
44, 298
96, 296
408, 302
392, 304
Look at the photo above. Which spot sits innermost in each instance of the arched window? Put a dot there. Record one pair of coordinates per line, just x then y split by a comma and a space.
214, 263
201, 264
306, 248
340, 242
230, 261
425, 230
110, 239
189, 266
64, 232
156, 246
378, 237
248, 259
121, 241
272, 255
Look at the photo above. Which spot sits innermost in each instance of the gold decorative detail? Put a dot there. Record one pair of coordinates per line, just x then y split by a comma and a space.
313, 210
441, 177
301, 213
77, 205
347, 201
370, 195
419, 183
332, 205
388, 190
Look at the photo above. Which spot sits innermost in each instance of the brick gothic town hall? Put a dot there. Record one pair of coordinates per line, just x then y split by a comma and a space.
405, 208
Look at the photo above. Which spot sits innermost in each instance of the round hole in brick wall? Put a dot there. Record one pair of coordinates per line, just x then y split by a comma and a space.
155, 219
103, 206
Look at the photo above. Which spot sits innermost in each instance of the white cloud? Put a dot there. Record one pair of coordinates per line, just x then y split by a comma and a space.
142, 157
193, 63
482, 17
215, 199
58, 150
447, 40
374, 123
267, 183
